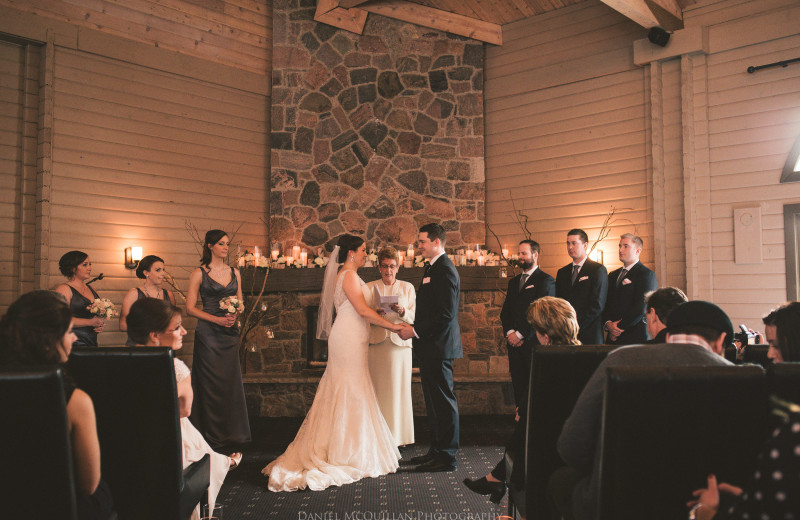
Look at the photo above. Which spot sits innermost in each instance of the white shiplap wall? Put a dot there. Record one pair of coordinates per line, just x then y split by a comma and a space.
18, 112
566, 123
138, 153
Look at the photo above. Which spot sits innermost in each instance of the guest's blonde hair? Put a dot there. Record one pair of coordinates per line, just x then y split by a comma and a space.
556, 318
388, 253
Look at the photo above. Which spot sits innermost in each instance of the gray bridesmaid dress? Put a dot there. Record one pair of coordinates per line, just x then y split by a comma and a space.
219, 409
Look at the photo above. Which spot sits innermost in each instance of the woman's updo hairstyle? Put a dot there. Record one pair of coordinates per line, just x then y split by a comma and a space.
346, 244
149, 315
70, 261
212, 237
33, 327
145, 264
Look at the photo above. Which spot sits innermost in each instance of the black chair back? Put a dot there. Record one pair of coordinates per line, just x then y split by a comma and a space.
757, 355
135, 398
558, 375
666, 429
784, 381
35, 449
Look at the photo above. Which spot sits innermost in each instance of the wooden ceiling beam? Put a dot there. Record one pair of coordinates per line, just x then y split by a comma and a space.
650, 13
329, 12
348, 4
437, 19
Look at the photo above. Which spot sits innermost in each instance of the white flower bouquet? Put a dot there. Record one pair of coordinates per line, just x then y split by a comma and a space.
231, 305
103, 308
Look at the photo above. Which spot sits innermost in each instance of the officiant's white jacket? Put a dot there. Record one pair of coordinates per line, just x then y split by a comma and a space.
407, 297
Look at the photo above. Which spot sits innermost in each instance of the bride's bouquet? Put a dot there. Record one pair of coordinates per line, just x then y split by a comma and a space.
103, 308
231, 305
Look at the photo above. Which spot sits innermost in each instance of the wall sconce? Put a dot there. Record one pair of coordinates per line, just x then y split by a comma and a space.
596, 256
132, 257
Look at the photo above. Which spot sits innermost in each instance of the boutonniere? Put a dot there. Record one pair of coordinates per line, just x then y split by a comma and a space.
582, 278
626, 281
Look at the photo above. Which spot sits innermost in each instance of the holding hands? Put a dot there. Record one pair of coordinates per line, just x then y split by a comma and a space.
707, 503
513, 340
406, 331
613, 329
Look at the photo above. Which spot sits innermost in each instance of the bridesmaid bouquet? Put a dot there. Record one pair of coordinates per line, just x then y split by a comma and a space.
103, 308
231, 305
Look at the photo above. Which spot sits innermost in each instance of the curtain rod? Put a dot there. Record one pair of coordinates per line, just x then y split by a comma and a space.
751, 69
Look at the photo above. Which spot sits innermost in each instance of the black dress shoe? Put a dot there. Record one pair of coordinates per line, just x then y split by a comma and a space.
419, 459
435, 466
495, 490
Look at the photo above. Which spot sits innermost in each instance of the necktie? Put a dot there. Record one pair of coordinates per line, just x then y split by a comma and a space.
427, 269
575, 270
621, 276
523, 280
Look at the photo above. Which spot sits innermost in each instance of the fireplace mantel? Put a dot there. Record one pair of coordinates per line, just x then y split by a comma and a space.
310, 279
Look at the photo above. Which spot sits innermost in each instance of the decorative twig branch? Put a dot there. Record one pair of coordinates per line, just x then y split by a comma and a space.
171, 281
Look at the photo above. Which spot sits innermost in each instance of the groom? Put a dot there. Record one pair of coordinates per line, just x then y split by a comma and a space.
437, 341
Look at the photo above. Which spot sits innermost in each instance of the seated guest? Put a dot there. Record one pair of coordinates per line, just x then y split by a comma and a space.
37, 330
659, 304
782, 329
698, 334
555, 323
154, 323
77, 268
151, 270
773, 492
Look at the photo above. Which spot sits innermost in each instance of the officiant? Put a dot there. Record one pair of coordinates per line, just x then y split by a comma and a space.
390, 356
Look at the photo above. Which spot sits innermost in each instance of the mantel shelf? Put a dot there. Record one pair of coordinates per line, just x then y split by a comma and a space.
310, 280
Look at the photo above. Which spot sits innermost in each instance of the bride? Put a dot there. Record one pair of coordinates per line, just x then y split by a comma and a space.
344, 437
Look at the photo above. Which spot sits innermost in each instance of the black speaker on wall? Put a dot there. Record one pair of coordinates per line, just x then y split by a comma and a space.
658, 36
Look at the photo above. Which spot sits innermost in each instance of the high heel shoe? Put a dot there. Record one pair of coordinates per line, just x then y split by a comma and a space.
495, 490
235, 459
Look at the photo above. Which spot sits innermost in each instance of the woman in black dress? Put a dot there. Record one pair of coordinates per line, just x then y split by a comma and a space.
150, 269
219, 410
77, 267
37, 330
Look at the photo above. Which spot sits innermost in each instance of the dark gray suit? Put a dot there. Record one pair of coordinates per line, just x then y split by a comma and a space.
437, 344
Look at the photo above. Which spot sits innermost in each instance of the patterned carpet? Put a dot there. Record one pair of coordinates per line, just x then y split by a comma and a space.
399, 496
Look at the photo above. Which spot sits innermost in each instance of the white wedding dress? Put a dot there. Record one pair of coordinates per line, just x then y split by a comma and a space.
344, 437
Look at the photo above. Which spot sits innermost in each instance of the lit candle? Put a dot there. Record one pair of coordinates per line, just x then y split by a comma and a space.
275, 253
303, 257
481, 260
296, 252
410, 252
469, 254
505, 252
401, 257
256, 256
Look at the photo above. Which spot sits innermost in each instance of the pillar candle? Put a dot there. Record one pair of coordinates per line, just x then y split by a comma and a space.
296, 252
303, 257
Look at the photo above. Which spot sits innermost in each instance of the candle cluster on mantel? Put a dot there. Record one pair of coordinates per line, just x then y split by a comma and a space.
299, 257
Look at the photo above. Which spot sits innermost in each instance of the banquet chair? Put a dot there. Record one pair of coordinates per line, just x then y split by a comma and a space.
784, 381
757, 355
558, 375
35, 449
135, 399
665, 429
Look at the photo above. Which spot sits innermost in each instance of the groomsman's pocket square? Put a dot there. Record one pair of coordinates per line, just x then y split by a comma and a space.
582, 278
427, 279
626, 281
529, 287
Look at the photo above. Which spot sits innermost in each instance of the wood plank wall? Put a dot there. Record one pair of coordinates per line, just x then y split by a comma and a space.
236, 33
18, 113
137, 153
566, 131
753, 120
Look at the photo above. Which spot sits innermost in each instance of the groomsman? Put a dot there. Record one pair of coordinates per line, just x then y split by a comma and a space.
437, 341
624, 314
584, 284
523, 289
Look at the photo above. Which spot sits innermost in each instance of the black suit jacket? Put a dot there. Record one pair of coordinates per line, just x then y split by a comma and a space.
515, 307
436, 319
626, 303
587, 297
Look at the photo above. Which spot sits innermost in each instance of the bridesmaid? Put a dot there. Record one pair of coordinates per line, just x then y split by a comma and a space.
390, 356
219, 410
77, 267
151, 270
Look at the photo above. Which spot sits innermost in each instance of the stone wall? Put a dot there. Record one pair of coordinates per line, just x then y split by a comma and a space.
374, 134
